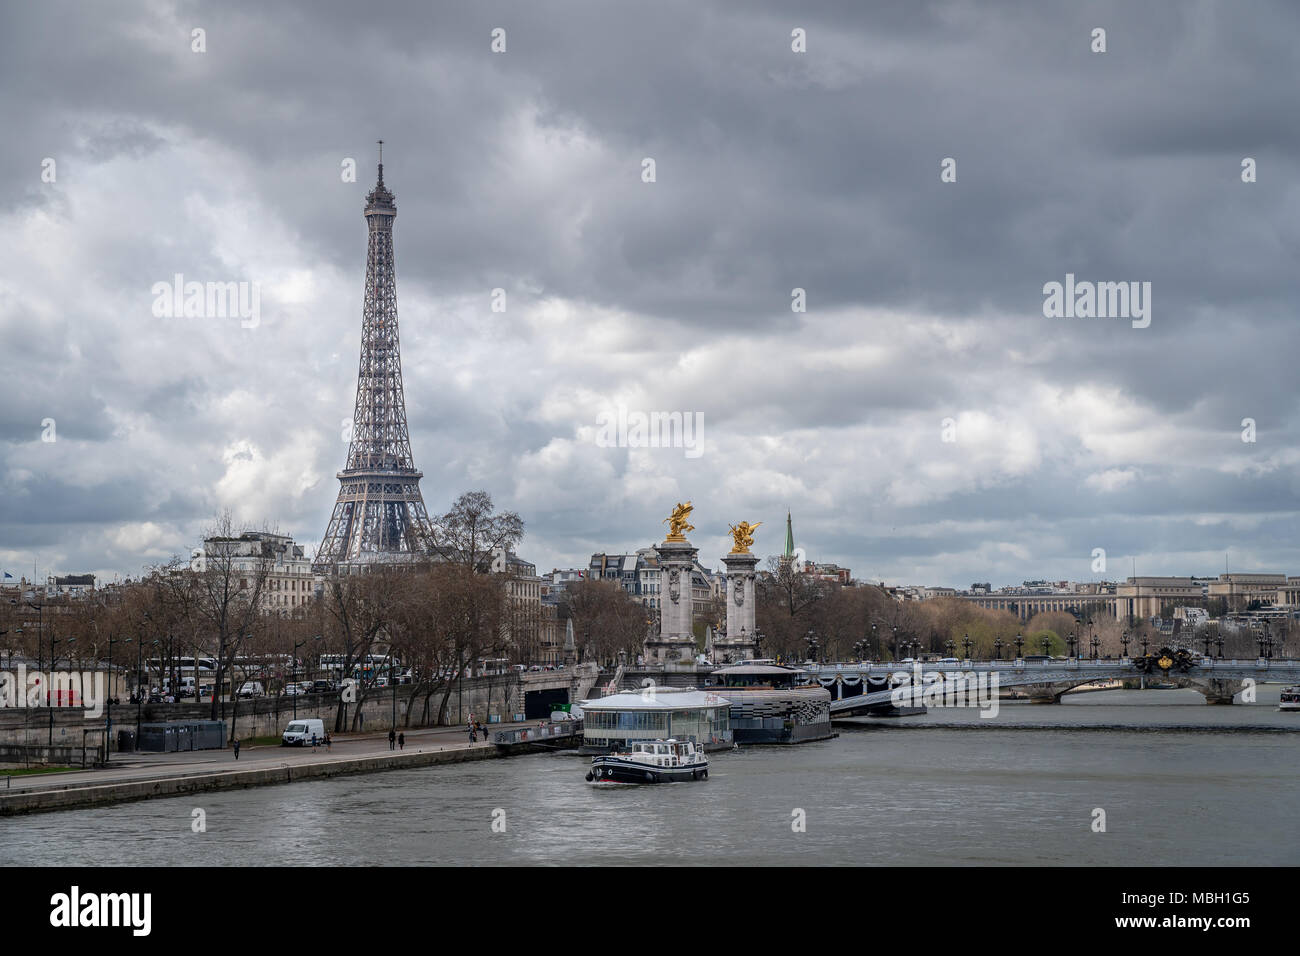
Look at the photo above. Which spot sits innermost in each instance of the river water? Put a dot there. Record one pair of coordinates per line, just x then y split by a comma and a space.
944, 788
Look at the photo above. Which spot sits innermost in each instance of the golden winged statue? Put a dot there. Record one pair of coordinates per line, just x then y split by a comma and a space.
743, 535
677, 523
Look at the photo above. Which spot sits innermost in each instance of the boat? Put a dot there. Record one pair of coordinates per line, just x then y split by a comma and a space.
650, 761
1290, 699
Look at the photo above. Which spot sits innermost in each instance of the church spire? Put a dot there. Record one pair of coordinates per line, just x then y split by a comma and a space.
789, 538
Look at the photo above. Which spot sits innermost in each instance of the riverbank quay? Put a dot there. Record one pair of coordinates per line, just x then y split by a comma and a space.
148, 776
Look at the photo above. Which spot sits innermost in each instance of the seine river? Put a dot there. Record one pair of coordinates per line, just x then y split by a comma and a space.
944, 788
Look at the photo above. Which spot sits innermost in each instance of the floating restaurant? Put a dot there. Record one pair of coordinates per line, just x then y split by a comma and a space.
658, 713
770, 705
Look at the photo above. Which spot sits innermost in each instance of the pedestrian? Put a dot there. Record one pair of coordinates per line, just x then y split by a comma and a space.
472, 737
313, 741
329, 742
392, 740
236, 748
401, 741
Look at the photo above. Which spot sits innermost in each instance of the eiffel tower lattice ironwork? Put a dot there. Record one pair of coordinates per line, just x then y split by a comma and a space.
380, 512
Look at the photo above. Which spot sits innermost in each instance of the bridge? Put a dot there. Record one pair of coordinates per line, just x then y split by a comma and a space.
853, 686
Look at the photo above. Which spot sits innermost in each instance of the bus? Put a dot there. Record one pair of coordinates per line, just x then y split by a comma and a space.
364, 669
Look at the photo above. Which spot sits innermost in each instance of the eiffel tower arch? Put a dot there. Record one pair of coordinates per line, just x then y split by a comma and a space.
380, 513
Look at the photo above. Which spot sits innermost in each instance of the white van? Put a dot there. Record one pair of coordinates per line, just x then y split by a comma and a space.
299, 732
252, 688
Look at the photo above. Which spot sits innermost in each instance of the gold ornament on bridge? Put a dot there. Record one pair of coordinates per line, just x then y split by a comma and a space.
743, 535
677, 523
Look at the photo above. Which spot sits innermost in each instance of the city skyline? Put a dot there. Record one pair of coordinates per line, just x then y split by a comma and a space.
522, 171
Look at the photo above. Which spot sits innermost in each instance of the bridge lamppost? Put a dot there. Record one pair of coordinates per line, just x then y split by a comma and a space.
1218, 642
1091, 641
1096, 643
1070, 642
1260, 642
950, 647
1047, 644
873, 643
1124, 642
1020, 641
997, 647
966, 643
1145, 645
1208, 641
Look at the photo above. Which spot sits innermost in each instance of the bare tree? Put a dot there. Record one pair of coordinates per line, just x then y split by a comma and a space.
606, 619
471, 531
229, 594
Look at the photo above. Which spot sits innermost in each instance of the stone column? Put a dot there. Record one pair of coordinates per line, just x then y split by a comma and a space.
674, 646
739, 643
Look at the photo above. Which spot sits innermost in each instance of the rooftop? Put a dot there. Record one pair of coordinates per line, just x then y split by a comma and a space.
682, 700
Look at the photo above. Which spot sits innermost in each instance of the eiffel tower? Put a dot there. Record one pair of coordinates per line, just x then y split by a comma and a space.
380, 512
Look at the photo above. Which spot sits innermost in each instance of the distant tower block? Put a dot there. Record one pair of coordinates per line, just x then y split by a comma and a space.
380, 512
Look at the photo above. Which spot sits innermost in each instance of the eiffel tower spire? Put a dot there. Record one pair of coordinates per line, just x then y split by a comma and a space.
380, 510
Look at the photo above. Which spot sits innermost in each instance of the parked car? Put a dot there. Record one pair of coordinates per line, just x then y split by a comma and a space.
295, 690
322, 686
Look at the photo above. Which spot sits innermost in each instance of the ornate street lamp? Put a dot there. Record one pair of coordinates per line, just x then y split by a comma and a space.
40, 636
966, 643
53, 663
1047, 644
1145, 645
1070, 642
1096, 643
108, 708
1218, 642
950, 646
1020, 641
997, 647
1124, 642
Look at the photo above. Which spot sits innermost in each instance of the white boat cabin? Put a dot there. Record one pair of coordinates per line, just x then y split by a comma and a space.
664, 753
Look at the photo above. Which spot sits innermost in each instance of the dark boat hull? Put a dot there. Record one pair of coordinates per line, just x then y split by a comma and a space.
606, 770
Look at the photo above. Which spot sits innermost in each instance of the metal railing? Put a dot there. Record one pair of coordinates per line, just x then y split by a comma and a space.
551, 730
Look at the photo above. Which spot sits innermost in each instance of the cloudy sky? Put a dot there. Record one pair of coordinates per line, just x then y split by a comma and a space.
774, 170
